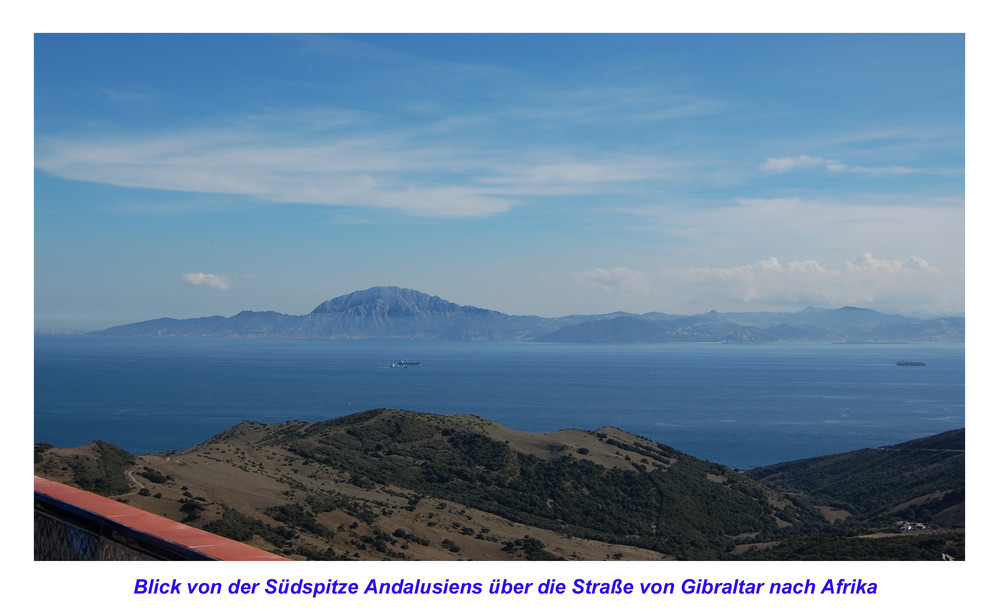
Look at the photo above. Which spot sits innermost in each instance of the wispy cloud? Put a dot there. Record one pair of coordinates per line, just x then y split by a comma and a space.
214, 281
614, 105
556, 172
124, 97
781, 165
893, 170
321, 158
339, 170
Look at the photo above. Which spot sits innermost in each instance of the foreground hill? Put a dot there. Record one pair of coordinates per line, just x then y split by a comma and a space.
392, 484
398, 313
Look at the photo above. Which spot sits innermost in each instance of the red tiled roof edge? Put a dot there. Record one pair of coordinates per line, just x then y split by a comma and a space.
207, 543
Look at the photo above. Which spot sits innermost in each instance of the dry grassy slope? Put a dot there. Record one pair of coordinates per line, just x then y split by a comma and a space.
240, 469
546, 445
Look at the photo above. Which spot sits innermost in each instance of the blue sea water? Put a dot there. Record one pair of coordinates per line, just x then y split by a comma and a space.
739, 405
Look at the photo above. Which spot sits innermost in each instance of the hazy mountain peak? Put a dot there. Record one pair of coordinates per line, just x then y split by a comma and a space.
386, 300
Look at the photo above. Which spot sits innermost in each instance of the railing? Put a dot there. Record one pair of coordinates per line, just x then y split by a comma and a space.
72, 524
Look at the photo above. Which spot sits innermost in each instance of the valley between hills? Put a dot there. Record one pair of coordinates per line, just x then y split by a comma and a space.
399, 485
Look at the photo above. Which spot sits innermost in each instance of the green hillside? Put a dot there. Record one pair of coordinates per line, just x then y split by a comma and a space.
654, 497
918, 480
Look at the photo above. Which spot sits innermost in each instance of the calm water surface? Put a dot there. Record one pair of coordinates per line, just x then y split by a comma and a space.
742, 406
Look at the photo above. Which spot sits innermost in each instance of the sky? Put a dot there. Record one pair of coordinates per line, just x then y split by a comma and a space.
552, 174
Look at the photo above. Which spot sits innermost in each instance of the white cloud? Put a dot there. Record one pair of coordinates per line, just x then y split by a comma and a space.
210, 280
912, 285
369, 172
787, 164
866, 263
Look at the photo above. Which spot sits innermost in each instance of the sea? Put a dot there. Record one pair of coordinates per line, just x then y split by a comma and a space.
743, 406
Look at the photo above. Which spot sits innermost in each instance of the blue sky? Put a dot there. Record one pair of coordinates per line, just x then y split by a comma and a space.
194, 175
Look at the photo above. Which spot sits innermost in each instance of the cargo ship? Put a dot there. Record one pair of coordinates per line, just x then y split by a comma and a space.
405, 363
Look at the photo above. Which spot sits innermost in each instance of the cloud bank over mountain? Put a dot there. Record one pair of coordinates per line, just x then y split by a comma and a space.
772, 283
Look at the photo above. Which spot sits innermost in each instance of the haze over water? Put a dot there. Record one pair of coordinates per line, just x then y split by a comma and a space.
740, 405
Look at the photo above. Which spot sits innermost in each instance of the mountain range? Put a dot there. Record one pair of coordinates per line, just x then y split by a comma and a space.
399, 313
392, 484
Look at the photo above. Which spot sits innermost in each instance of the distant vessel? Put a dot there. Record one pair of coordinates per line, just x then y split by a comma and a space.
910, 363
404, 364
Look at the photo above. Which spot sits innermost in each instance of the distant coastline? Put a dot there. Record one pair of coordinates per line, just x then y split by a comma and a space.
405, 314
